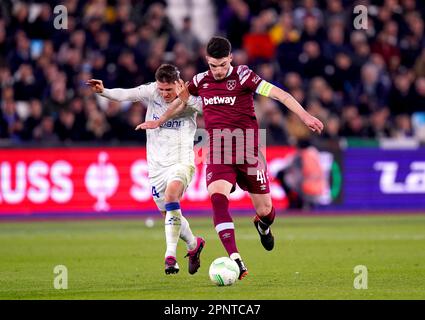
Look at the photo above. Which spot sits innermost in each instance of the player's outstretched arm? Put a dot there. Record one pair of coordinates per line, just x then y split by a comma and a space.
289, 101
117, 94
96, 85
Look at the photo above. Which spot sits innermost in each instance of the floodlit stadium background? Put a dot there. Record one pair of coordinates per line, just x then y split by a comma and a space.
66, 152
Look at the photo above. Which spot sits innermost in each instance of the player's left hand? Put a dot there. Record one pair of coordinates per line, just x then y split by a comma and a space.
313, 123
182, 90
152, 124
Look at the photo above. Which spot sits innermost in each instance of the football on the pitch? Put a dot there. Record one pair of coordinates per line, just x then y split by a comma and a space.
224, 271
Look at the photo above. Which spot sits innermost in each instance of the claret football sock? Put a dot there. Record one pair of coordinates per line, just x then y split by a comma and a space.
223, 222
262, 224
266, 221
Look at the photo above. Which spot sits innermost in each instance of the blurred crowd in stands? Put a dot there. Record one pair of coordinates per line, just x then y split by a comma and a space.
366, 83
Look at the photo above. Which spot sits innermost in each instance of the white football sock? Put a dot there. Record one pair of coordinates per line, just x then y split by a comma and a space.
172, 228
186, 234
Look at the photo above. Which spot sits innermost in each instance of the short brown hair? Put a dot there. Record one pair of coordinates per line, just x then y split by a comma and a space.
167, 73
218, 47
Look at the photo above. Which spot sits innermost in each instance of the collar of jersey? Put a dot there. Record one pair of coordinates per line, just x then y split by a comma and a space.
230, 71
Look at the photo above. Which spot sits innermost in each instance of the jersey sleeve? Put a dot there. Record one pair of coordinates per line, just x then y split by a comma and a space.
196, 83
140, 93
147, 91
248, 78
195, 104
193, 89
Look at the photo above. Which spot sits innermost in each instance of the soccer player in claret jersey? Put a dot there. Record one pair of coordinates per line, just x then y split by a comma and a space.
227, 95
169, 150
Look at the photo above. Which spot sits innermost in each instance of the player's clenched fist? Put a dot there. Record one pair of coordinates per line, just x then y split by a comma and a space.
96, 85
312, 123
182, 90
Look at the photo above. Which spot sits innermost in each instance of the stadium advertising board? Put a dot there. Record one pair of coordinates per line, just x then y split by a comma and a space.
101, 180
384, 179
115, 180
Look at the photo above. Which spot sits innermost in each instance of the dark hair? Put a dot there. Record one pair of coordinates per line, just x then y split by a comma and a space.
167, 73
218, 47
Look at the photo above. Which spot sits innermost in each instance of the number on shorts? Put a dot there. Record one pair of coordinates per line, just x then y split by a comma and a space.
261, 176
155, 193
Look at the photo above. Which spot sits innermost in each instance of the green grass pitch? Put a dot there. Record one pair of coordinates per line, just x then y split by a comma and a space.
314, 258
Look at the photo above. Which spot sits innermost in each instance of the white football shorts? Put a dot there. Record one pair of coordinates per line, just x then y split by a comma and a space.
161, 177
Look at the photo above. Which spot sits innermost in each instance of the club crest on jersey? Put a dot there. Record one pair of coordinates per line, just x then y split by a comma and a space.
231, 84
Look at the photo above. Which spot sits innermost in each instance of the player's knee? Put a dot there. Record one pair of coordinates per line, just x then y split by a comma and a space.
171, 197
212, 189
264, 208
173, 192
221, 187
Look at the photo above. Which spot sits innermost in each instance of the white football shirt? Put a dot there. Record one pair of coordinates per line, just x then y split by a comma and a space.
171, 143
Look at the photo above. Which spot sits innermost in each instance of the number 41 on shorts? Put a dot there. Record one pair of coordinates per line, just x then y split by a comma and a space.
261, 176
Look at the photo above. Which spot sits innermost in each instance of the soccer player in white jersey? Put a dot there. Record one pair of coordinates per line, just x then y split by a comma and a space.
170, 154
